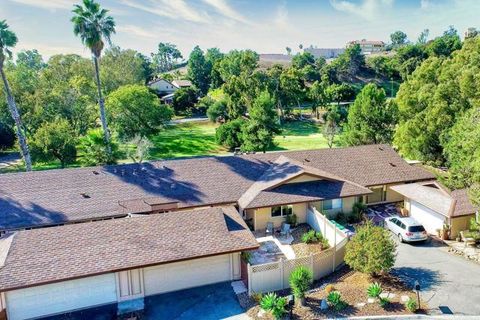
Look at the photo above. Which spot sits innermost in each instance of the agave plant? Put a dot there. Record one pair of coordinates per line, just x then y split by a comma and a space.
374, 290
274, 304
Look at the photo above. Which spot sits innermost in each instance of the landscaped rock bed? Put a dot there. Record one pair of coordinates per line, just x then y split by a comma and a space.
303, 249
352, 286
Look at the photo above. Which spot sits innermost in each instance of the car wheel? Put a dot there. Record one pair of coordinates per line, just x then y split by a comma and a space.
400, 238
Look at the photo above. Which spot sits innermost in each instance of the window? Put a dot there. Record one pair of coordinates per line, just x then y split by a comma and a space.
416, 229
281, 211
332, 204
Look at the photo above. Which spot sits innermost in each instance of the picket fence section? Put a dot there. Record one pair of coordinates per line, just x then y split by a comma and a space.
274, 276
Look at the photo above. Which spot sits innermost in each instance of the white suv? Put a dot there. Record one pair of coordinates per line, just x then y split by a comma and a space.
406, 229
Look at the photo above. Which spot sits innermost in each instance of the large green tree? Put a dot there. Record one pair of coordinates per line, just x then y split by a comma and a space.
8, 39
94, 26
371, 119
262, 126
120, 68
398, 38
166, 57
462, 151
199, 70
433, 98
134, 110
54, 141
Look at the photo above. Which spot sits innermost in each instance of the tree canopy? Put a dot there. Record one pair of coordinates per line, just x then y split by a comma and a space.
134, 110
371, 119
433, 98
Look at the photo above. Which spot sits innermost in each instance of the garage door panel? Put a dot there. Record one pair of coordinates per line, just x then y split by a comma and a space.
427, 217
61, 297
188, 274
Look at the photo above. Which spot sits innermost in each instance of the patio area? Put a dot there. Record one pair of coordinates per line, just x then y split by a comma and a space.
378, 213
271, 250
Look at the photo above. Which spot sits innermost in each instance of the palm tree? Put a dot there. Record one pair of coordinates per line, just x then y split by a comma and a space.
92, 24
8, 39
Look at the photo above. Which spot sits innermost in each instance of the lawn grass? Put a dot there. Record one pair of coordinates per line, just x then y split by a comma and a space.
185, 140
198, 139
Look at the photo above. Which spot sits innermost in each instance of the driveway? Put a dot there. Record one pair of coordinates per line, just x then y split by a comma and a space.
217, 301
448, 283
212, 302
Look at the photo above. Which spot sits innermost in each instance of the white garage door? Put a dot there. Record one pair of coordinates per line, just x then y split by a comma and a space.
61, 297
430, 219
187, 274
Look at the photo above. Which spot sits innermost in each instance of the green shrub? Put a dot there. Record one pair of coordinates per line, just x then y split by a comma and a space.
358, 210
300, 281
291, 219
371, 250
384, 302
411, 305
374, 290
246, 256
334, 298
313, 237
274, 304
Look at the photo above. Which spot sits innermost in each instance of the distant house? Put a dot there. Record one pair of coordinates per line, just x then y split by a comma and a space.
164, 87
327, 53
367, 46
182, 83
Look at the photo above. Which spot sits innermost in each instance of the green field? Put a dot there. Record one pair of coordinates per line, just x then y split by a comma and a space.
198, 138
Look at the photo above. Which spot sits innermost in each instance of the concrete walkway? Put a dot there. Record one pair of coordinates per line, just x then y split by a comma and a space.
450, 284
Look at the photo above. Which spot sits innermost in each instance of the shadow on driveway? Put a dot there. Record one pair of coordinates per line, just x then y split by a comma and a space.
427, 278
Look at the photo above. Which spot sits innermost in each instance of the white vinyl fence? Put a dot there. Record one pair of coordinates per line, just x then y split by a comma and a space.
275, 275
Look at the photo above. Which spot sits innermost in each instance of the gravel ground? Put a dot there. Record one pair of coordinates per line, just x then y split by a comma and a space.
302, 249
352, 286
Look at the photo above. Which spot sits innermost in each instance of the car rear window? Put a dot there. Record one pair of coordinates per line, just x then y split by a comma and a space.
416, 229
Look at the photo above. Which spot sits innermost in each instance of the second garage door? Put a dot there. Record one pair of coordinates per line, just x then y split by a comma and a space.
61, 297
430, 219
188, 274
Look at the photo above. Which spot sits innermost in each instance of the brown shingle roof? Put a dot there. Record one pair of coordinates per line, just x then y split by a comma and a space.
281, 171
58, 196
463, 204
65, 252
306, 191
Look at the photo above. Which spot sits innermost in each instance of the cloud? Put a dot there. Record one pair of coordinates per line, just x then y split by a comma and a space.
222, 7
367, 9
48, 4
281, 17
136, 31
425, 4
173, 9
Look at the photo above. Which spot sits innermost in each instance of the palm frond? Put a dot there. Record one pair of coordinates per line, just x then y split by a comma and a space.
92, 24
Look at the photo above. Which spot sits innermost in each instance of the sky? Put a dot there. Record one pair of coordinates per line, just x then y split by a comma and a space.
266, 26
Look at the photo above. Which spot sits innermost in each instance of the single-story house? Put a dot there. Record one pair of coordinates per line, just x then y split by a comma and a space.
102, 235
54, 270
434, 206
164, 87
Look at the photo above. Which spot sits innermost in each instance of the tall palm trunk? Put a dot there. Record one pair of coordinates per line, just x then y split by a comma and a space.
101, 103
18, 122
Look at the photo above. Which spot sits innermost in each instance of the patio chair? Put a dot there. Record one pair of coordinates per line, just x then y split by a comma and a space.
467, 240
285, 231
269, 229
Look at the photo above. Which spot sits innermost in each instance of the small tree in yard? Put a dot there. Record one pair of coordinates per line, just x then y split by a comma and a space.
54, 140
260, 129
371, 250
300, 281
230, 134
